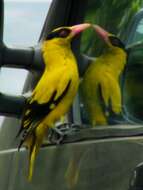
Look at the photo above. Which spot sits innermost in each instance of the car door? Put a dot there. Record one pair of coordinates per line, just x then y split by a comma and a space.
101, 158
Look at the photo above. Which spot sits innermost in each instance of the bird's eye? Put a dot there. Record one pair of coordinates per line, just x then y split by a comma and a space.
116, 42
64, 33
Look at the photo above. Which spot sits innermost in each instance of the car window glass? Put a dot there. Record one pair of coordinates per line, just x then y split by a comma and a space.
101, 88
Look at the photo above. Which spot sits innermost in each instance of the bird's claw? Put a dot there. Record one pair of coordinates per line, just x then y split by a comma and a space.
68, 128
58, 133
56, 136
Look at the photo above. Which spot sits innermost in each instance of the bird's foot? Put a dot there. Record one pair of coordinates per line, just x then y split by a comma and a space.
56, 136
58, 133
68, 128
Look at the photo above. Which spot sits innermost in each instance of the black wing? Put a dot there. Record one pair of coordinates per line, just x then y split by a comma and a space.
36, 112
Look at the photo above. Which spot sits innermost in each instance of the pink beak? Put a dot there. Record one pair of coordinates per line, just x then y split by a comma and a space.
101, 32
76, 29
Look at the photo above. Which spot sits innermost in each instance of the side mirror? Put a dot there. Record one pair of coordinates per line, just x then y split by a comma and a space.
25, 58
136, 182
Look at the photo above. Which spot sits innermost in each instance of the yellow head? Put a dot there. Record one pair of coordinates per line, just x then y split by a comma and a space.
110, 39
64, 35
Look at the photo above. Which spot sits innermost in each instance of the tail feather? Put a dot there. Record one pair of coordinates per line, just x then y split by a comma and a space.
27, 132
32, 157
19, 132
33, 146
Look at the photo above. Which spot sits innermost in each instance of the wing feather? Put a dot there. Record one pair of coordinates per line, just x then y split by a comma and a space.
110, 95
34, 111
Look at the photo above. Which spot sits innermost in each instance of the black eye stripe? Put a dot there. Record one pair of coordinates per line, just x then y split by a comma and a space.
116, 42
61, 33
52, 35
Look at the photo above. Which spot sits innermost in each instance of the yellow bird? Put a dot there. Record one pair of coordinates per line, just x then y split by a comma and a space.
55, 91
100, 86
